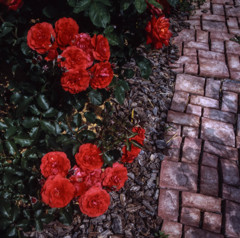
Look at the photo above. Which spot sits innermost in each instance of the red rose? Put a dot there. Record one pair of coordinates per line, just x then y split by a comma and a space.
115, 177
94, 202
102, 75
141, 135
83, 41
88, 157
129, 156
73, 59
12, 4
52, 52
66, 29
101, 48
57, 191
75, 82
40, 37
54, 163
158, 32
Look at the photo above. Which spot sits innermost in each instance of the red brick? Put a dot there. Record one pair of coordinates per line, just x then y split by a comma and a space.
195, 22
238, 142
204, 101
214, 26
218, 9
230, 172
173, 129
230, 85
202, 36
232, 22
233, 62
220, 36
197, 45
206, 5
233, 12
232, 47
213, 17
190, 216
180, 100
178, 70
174, 153
235, 75
209, 181
195, 110
238, 124
223, 1
232, 225
221, 150
174, 66
168, 204
217, 115
212, 222
190, 131
173, 229
177, 175
189, 51
217, 46
220, 132
213, 68
185, 35
190, 84
210, 160
230, 102
192, 232
191, 69
234, 31
212, 88
202, 202
231, 193
183, 118
187, 59
173, 141
211, 55
191, 150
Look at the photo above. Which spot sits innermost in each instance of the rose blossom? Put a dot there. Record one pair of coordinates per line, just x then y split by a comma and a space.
102, 75
12, 4
140, 136
115, 177
88, 157
101, 48
57, 191
129, 156
94, 202
52, 52
54, 163
39, 37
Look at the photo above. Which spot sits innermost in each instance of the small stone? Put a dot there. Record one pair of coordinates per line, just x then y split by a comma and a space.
117, 225
161, 144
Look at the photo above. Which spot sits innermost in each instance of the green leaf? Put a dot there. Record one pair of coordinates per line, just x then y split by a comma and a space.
65, 217
90, 116
48, 127
43, 102
77, 120
30, 122
3, 125
5, 209
11, 147
156, 4
140, 5
23, 141
108, 160
23, 224
12, 130
15, 98
34, 110
25, 49
173, 3
87, 135
123, 84
145, 66
6, 28
71, 3
125, 4
49, 11
135, 143
105, 2
11, 232
38, 225
23, 105
15, 213
128, 73
82, 5
51, 112
119, 94
113, 39
99, 14
4, 224
33, 133
95, 97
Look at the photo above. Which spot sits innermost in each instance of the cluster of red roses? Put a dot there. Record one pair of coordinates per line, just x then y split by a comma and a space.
87, 179
12, 4
84, 60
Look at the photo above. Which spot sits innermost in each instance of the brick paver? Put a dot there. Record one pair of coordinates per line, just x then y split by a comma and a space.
199, 178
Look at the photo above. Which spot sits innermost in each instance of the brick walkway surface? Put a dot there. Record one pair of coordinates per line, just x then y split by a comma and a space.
199, 178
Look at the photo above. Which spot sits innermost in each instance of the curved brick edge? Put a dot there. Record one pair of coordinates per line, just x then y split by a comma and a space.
199, 178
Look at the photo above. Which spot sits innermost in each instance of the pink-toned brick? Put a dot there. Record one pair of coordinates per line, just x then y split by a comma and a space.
190, 216
238, 142
206, 5
211, 55
195, 110
217, 46
231, 193
192, 232
204, 101
190, 84
234, 31
202, 36
232, 86
212, 222
230, 102
191, 69
232, 47
197, 45
185, 35
232, 22
209, 160
209, 17
195, 22
223, 1
168, 204
174, 153
230, 172
214, 26
202, 202
183, 118
220, 132
219, 115
187, 59
191, 150
220, 36
233, 62
233, 12
179, 101
189, 131
177, 175
218, 9
238, 124
173, 130
235, 75
173, 229
178, 70
173, 141
212, 88
189, 51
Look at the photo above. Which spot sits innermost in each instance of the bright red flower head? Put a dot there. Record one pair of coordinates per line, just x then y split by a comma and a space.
129, 156
101, 48
40, 37
54, 163
57, 191
141, 134
115, 177
88, 157
73, 59
66, 29
76, 81
94, 202
102, 75
158, 32
12, 4
52, 53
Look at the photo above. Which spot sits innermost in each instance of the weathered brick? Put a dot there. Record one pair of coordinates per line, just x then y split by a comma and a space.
183, 118
189, 51
204, 101
202, 202
223, 1
190, 216
195, 110
217, 115
210, 160
173, 129
191, 69
206, 5
209, 181
220, 132
177, 175
232, 22
230, 85
179, 101
238, 124
197, 45
212, 88
231, 193
221, 150
214, 26
209, 17
173, 229
238, 142
211, 55
174, 153
185, 35
232, 47
233, 62
178, 70
190, 84
187, 59
191, 150
168, 204
212, 222
192, 232
232, 225
230, 172
234, 31
233, 12
213, 68
235, 75
217, 46
220, 36
230, 102
173, 141
190, 132
218, 9
194, 22
202, 36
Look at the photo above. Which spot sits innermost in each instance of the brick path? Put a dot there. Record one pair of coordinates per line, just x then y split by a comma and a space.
199, 179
